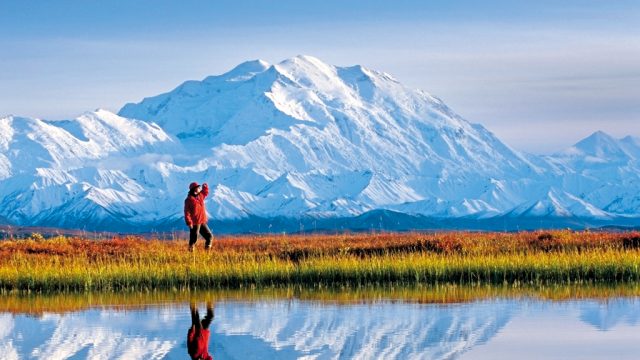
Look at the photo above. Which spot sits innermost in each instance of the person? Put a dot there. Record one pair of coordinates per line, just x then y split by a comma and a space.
195, 215
198, 334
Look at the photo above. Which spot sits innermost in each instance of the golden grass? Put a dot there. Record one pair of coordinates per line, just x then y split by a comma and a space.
129, 263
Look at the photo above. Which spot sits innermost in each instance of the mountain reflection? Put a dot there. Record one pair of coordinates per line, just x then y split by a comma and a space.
264, 329
606, 315
429, 323
364, 331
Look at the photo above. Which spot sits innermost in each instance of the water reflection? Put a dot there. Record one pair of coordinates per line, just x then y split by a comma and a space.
95, 334
7, 346
294, 329
198, 334
339, 326
606, 315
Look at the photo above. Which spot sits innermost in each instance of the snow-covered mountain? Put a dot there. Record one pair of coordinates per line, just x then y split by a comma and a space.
300, 141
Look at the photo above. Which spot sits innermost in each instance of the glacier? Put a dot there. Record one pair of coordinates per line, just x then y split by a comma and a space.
303, 145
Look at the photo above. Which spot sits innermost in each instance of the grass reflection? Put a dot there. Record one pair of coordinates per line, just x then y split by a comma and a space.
38, 304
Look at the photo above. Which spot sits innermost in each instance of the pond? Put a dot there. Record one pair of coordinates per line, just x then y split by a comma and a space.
346, 324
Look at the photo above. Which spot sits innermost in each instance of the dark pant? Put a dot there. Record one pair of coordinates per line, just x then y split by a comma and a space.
203, 229
195, 317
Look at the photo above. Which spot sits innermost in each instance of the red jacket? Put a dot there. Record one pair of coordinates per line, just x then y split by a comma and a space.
198, 343
194, 210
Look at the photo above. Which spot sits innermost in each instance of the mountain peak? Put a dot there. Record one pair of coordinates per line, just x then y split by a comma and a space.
101, 111
631, 140
357, 102
300, 58
308, 62
599, 147
245, 69
600, 136
597, 142
305, 66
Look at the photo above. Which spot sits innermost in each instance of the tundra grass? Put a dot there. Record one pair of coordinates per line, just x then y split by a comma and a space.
36, 264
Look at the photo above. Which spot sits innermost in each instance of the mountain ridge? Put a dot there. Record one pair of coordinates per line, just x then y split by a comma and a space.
300, 139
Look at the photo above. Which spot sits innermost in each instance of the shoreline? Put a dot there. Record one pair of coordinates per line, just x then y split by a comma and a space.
62, 302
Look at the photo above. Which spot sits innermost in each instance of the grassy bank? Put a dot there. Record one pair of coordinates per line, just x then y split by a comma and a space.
563, 257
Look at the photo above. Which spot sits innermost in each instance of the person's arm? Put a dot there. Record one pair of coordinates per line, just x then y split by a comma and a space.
187, 213
205, 190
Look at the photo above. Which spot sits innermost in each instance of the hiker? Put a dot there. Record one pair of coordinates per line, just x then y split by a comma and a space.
198, 334
195, 215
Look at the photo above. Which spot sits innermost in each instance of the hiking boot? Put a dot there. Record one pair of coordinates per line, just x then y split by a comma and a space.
191, 247
207, 247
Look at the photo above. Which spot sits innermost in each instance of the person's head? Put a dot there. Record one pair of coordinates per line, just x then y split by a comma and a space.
194, 188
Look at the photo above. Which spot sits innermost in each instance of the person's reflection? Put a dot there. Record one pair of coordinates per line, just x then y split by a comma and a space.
198, 335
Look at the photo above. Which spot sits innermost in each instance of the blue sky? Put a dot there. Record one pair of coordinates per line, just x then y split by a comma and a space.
540, 74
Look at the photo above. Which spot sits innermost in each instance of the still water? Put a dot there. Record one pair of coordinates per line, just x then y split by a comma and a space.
327, 326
